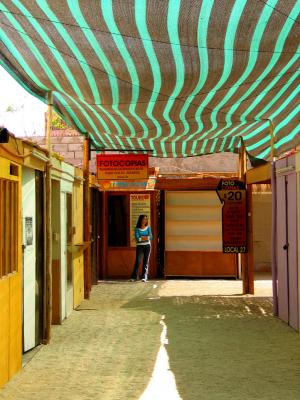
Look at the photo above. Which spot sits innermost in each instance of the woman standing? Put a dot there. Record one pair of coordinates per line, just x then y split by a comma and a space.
143, 236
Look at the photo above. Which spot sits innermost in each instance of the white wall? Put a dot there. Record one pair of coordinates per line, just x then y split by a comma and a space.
262, 230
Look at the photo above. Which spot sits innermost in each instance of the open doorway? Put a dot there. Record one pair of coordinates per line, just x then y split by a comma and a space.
262, 232
96, 235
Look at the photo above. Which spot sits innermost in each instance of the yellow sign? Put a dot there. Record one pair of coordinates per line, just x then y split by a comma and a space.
140, 204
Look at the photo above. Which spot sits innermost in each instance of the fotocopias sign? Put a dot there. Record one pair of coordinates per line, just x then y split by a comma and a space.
232, 194
120, 167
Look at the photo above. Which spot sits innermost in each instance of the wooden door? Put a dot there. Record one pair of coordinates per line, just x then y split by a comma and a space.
291, 187
287, 259
282, 260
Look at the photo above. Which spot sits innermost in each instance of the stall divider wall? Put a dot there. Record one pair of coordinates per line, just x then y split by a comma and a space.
67, 180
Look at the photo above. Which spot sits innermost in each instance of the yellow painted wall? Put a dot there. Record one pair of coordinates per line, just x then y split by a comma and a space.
11, 301
78, 263
4, 330
15, 329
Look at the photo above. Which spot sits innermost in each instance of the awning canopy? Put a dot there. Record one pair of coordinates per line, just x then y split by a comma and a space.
175, 77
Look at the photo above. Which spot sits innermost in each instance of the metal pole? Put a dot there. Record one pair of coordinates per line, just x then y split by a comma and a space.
48, 222
86, 220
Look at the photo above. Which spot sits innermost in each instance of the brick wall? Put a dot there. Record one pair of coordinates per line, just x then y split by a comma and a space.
69, 144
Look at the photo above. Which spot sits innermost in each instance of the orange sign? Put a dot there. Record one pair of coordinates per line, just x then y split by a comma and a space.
120, 167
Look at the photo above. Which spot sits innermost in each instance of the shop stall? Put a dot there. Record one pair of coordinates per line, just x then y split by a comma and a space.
193, 229
286, 245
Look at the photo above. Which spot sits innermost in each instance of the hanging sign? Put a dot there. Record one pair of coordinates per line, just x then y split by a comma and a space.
120, 167
140, 204
232, 194
128, 185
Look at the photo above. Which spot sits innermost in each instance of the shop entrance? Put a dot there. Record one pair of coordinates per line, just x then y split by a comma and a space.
96, 235
121, 210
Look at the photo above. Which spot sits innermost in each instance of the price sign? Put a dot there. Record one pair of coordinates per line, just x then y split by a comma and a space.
232, 194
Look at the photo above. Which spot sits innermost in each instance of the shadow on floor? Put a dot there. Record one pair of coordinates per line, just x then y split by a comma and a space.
228, 348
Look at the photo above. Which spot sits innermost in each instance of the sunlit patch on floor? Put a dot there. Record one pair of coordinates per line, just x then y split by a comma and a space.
162, 385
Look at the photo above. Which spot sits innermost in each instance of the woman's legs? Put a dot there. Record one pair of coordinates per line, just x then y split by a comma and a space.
138, 257
146, 251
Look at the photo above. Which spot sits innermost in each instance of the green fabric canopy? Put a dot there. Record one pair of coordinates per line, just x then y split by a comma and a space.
178, 78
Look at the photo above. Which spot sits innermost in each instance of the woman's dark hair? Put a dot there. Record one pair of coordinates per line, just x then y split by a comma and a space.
139, 222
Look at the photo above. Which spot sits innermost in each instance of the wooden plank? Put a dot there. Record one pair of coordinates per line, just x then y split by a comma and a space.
260, 174
200, 264
6, 229
120, 263
17, 222
250, 255
13, 241
187, 183
56, 291
48, 264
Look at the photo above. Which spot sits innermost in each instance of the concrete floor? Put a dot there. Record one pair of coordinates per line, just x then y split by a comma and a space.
166, 340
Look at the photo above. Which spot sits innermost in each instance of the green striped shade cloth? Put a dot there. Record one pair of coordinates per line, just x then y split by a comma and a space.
177, 78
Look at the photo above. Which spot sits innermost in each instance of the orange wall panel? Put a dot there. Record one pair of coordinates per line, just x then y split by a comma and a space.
120, 263
200, 264
56, 293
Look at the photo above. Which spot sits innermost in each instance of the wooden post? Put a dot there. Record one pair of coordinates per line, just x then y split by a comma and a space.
250, 255
86, 219
247, 259
48, 222
271, 127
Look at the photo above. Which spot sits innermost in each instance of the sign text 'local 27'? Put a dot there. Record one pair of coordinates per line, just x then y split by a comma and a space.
120, 167
232, 194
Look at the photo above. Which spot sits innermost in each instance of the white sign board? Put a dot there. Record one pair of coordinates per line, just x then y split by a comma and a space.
140, 204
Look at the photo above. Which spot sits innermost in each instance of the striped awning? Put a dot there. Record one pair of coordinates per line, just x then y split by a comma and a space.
175, 77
